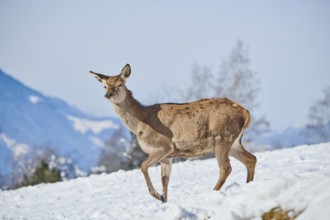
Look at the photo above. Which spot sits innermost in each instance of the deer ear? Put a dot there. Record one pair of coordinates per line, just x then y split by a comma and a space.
125, 72
100, 77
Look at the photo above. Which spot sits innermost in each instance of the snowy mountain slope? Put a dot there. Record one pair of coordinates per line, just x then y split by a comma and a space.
289, 137
31, 119
296, 178
297, 135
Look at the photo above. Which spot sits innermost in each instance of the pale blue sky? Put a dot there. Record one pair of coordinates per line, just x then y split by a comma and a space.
51, 46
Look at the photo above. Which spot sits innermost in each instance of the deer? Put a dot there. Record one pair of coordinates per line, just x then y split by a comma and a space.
168, 130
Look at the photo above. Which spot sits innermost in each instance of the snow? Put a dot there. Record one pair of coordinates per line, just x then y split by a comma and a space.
296, 179
97, 141
34, 99
18, 149
84, 125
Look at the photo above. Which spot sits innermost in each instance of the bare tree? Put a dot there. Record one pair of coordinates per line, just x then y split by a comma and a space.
113, 155
135, 154
318, 129
235, 80
118, 153
201, 82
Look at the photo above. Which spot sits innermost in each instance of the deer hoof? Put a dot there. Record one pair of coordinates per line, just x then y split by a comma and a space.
162, 198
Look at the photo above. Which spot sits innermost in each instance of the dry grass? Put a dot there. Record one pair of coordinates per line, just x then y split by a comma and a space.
278, 213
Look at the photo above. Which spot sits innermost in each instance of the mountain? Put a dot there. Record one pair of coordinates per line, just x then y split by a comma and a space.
295, 180
30, 120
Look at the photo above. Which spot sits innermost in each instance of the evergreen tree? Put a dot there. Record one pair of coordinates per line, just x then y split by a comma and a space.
42, 174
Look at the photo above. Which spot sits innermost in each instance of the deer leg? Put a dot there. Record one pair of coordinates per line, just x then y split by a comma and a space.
166, 165
152, 159
221, 154
249, 160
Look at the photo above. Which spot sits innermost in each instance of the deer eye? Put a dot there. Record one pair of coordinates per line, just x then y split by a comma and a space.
105, 87
120, 85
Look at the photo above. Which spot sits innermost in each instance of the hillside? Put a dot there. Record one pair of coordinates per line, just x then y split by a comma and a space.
295, 179
30, 120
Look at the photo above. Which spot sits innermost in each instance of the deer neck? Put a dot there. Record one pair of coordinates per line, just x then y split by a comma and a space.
131, 112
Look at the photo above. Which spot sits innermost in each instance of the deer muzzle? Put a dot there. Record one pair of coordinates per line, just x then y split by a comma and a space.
109, 94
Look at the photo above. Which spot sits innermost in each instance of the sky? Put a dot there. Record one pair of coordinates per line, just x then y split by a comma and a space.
51, 46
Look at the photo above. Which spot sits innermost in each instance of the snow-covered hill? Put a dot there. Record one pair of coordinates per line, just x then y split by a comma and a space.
298, 135
296, 179
29, 119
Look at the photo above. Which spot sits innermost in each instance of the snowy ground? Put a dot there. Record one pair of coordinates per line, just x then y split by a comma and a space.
296, 178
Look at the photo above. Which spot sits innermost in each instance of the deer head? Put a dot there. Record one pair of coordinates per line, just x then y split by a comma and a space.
115, 89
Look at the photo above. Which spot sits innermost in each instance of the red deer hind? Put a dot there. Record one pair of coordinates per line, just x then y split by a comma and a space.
186, 130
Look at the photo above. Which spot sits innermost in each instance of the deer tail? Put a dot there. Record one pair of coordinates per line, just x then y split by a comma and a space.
247, 119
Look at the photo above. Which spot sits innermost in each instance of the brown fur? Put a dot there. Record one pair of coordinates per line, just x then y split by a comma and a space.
188, 130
